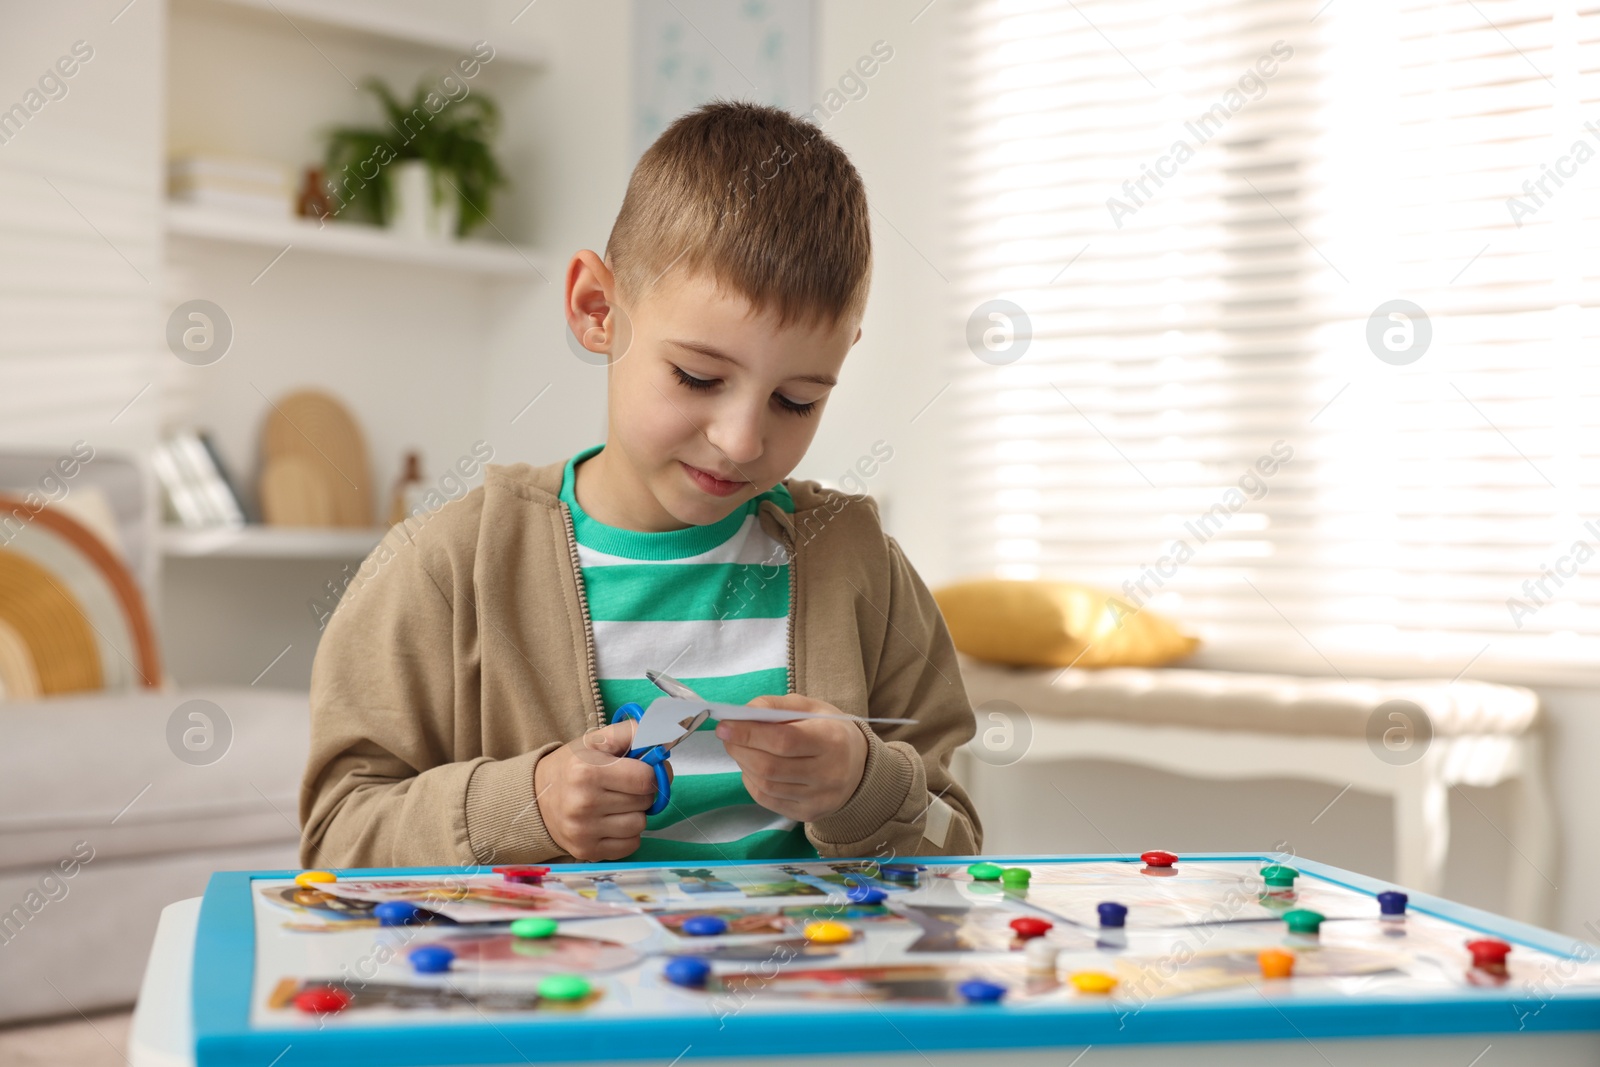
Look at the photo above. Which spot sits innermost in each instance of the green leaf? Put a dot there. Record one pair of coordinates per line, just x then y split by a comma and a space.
456, 142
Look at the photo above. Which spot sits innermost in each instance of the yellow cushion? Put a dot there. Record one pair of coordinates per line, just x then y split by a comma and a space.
1056, 624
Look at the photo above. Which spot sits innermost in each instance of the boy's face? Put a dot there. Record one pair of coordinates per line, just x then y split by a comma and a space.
679, 452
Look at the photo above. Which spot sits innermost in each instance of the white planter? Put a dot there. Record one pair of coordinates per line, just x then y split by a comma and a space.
414, 213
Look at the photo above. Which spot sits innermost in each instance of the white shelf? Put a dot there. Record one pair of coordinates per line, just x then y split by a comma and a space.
293, 235
270, 542
371, 21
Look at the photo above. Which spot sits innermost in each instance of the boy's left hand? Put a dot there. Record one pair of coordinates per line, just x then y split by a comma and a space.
805, 769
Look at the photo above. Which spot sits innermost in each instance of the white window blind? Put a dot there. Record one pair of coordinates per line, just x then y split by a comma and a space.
80, 239
1198, 420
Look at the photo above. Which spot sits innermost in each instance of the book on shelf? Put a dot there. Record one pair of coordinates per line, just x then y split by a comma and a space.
231, 184
199, 494
228, 480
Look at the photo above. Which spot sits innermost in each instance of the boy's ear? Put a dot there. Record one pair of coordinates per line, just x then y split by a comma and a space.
594, 320
858, 337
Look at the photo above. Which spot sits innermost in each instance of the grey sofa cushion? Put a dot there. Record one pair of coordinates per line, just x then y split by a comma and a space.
129, 493
111, 770
79, 944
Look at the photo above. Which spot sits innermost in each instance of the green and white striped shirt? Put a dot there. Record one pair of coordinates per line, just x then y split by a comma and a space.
710, 606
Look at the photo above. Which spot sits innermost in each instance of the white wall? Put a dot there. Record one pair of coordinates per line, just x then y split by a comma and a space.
80, 240
897, 134
573, 174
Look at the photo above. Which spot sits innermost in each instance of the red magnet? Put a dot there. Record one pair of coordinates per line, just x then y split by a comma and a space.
530, 875
322, 1000
1029, 927
1488, 952
1159, 858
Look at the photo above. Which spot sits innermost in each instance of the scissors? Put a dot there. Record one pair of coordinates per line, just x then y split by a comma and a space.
655, 756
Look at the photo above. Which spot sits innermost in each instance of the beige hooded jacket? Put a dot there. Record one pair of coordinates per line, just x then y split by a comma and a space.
462, 653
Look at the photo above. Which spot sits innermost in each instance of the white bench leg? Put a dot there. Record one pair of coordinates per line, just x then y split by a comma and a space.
1422, 824
1533, 832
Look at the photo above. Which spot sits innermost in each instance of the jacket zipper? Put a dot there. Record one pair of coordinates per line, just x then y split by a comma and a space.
794, 614
794, 607
583, 606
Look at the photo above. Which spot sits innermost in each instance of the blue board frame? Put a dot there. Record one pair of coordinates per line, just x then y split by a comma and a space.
224, 971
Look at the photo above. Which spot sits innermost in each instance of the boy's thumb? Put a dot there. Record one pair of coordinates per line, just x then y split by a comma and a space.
615, 739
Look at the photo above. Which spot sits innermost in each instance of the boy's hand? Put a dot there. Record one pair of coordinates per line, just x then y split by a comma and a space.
805, 769
592, 796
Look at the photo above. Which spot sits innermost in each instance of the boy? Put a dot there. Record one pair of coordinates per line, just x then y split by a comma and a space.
461, 697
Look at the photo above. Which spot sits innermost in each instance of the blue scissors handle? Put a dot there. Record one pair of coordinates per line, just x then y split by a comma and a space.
653, 756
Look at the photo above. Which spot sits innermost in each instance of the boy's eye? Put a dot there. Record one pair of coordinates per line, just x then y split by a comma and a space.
797, 408
689, 381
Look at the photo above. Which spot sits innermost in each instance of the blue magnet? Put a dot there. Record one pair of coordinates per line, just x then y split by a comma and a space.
1391, 902
865, 894
687, 971
977, 991
704, 926
396, 912
431, 959
1112, 914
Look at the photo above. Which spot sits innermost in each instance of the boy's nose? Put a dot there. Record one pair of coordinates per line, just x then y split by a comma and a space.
737, 435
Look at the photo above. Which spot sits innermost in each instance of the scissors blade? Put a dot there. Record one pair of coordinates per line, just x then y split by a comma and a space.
671, 686
666, 721
690, 725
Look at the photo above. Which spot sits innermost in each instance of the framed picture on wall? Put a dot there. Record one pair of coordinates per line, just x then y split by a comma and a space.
692, 51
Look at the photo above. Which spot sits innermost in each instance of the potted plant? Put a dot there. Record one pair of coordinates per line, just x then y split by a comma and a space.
429, 171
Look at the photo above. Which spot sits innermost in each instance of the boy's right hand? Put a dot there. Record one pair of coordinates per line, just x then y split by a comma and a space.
592, 796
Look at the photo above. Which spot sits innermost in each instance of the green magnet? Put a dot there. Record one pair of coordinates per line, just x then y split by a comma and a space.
533, 927
1279, 876
1304, 921
1016, 877
564, 987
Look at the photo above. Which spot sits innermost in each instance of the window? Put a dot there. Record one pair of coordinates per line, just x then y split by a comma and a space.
1286, 323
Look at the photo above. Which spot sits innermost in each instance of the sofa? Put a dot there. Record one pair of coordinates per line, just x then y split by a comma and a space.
118, 801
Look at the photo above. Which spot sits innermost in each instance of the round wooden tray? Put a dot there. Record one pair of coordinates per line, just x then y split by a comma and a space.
313, 458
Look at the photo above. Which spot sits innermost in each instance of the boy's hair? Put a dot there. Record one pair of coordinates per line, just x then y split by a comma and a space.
756, 198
